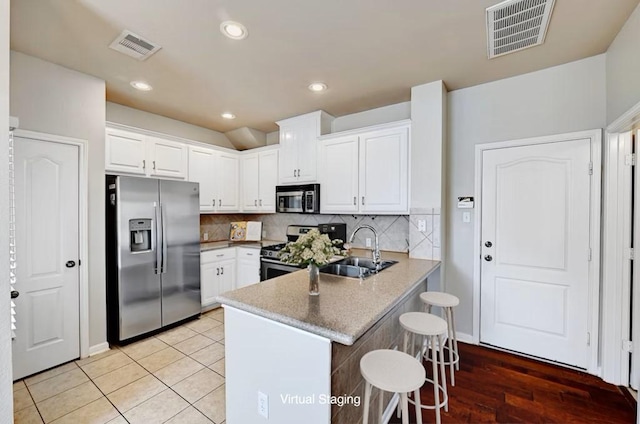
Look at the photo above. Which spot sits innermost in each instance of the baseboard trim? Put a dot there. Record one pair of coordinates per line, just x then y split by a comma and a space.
465, 338
99, 348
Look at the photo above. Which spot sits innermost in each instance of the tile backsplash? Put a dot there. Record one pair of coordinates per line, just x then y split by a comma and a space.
393, 230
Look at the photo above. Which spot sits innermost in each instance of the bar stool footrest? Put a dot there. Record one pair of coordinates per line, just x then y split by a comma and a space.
456, 356
445, 398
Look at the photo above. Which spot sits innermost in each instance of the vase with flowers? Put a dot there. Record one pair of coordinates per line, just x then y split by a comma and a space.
312, 249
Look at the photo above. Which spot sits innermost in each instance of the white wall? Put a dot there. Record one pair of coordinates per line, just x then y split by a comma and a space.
6, 391
140, 119
623, 69
380, 115
556, 100
51, 99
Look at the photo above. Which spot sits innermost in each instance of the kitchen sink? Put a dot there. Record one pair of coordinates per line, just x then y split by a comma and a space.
355, 267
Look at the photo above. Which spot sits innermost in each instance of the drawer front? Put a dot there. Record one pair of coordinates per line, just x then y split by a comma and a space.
218, 255
249, 253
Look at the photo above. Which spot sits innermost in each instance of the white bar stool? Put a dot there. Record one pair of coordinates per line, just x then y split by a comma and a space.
392, 371
447, 302
433, 329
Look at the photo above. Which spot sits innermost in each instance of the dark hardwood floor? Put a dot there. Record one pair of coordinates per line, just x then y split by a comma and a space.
494, 386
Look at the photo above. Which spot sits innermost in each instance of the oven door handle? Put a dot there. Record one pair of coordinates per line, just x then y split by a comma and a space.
274, 261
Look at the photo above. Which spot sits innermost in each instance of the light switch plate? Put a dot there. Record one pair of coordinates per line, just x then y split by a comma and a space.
205, 236
466, 216
422, 225
367, 242
263, 405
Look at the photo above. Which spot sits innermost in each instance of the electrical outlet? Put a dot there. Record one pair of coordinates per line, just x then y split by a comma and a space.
263, 405
205, 236
367, 242
422, 225
466, 217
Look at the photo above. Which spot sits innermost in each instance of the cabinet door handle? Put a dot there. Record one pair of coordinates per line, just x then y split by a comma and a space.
222, 271
363, 200
214, 203
249, 254
255, 202
154, 165
219, 202
298, 172
294, 173
144, 164
260, 202
220, 255
218, 271
354, 200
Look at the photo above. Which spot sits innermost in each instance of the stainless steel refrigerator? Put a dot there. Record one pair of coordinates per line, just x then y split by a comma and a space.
153, 254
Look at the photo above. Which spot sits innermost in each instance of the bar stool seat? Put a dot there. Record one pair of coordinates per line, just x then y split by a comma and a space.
392, 371
447, 302
433, 328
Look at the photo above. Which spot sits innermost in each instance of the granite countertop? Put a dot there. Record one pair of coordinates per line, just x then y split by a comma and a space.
212, 245
346, 307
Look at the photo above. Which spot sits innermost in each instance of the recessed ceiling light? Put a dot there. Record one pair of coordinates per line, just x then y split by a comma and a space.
317, 86
141, 85
228, 115
234, 30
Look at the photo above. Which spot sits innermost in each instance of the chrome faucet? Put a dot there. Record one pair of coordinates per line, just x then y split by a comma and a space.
375, 252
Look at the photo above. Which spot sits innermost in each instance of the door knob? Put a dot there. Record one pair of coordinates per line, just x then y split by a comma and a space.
488, 243
488, 258
70, 264
14, 294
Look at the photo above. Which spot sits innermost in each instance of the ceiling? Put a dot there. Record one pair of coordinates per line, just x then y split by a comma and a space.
369, 52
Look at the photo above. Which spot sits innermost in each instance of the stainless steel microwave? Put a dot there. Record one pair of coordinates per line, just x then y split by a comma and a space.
298, 198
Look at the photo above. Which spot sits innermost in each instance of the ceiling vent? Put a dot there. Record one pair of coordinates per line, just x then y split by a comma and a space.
517, 24
133, 45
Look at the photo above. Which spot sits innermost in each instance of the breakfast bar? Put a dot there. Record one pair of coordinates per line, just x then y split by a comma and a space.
291, 357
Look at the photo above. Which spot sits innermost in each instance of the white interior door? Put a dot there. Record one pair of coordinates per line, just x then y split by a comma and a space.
634, 380
47, 237
535, 250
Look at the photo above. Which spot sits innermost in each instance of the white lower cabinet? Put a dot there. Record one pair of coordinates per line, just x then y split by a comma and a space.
217, 273
248, 266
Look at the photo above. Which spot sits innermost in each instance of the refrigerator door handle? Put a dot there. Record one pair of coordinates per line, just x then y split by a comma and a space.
164, 240
156, 270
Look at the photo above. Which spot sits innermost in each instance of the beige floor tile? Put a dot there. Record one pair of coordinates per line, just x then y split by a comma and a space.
114, 380
160, 359
105, 365
119, 420
217, 314
210, 354
177, 371
203, 324
193, 344
18, 385
218, 367
50, 373
215, 333
97, 357
135, 393
58, 384
66, 402
21, 399
158, 409
146, 347
97, 412
198, 385
189, 416
176, 335
28, 415
213, 405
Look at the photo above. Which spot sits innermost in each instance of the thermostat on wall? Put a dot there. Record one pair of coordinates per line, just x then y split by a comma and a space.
465, 202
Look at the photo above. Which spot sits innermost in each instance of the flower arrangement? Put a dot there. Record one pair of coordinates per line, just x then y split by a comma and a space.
312, 248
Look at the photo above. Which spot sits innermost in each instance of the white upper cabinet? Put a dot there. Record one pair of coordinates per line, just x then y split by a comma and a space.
168, 158
125, 152
228, 175
259, 177
338, 164
218, 175
132, 153
366, 171
202, 170
298, 144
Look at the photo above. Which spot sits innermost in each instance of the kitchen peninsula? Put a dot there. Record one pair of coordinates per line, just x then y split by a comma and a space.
295, 358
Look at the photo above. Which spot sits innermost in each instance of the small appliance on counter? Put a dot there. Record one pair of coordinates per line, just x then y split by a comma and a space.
298, 198
271, 266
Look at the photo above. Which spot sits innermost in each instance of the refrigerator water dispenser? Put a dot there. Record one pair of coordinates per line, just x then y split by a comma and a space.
140, 235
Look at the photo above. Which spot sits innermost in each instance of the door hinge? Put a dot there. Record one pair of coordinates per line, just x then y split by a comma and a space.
590, 254
590, 168
631, 254
630, 159
588, 339
627, 346
79, 262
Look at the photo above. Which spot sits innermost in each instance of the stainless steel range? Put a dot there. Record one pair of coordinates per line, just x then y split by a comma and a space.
270, 264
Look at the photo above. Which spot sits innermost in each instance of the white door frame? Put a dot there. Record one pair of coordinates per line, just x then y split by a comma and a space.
83, 230
594, 240
616, 230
